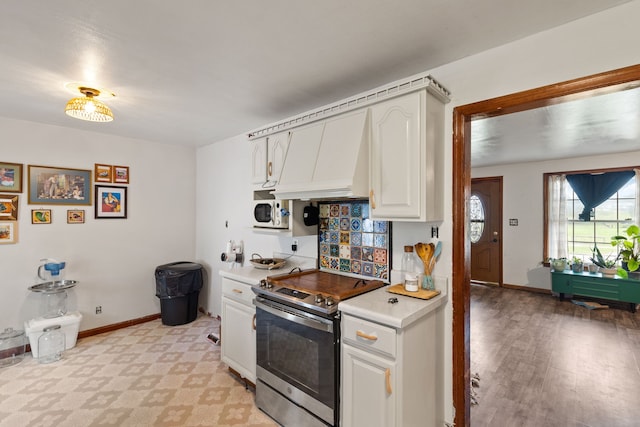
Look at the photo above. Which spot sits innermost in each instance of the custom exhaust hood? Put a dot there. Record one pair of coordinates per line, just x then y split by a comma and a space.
328, 159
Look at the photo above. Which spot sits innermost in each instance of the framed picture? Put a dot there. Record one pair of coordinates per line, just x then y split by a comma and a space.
111, 201
75, 216
103, 173
121, 174
8, 232
59, 186
8, 207
40, 216
11, 177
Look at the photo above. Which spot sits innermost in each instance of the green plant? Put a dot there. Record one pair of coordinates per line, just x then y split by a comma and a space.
601, 261
576, 260
628, 249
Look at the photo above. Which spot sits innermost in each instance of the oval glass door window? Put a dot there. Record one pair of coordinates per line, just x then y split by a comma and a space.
477, 218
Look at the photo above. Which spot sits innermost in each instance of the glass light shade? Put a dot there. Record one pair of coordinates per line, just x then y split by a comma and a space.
88, 108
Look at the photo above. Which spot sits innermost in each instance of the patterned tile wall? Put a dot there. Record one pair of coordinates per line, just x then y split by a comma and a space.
351, 242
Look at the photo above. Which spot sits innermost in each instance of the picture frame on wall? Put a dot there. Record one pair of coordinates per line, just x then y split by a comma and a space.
8, 207
11, 177
59, 186
121, 174
111, 201
40, 216
103, 173
8, 232
75, 216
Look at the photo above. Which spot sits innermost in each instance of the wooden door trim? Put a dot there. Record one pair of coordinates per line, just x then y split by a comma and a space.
610, 81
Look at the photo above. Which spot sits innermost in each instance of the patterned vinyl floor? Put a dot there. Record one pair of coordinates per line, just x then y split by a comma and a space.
144, 375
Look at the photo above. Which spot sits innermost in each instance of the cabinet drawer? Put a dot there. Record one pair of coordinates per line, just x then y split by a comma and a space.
237, 291
596, 288
369, 335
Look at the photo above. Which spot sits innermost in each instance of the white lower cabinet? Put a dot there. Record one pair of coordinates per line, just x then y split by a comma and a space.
367, 391
388, 374
238, 330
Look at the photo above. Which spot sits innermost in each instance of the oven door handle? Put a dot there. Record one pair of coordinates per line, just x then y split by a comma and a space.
293, 315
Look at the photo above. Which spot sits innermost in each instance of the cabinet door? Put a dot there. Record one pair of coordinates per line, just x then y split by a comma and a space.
238, 341
277, 146
368, 389
397, 158
259, 161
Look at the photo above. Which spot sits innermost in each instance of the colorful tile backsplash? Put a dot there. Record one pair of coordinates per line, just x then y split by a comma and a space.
350, 242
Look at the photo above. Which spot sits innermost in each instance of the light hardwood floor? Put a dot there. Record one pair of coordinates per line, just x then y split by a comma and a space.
543, 362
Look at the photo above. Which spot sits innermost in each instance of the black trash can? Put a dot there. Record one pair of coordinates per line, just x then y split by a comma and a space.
178, 286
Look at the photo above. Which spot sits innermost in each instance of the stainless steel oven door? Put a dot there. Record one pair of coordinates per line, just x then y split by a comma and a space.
297, 355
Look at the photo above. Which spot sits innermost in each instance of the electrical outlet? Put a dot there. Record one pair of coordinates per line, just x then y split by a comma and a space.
294, 245
98, 309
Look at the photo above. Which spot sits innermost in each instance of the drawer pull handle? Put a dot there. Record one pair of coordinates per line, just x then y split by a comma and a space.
366, 336
253, 322
387, 377
237, 291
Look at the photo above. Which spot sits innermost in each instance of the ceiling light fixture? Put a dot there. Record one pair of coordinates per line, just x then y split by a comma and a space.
88, 108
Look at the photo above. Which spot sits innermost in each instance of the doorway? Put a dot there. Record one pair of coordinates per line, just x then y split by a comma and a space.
485, 233
616, 80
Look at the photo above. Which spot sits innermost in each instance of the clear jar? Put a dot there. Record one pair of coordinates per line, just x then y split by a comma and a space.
411, 268
53, 304
51, 344
12, 347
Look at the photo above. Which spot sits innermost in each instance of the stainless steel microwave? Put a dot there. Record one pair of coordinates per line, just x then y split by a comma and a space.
271, 213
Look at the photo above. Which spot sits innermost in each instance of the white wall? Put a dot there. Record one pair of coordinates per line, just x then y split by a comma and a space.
598, 43
223, 206
523, 200
113, 260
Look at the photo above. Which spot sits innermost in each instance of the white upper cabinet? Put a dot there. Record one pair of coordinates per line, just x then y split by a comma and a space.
259, 161
277, 145
406, 158
267, 158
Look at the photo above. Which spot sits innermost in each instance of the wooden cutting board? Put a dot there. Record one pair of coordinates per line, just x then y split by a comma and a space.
321, 282
422, 293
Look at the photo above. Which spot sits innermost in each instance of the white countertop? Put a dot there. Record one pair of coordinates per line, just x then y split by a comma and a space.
375, 306
251, 275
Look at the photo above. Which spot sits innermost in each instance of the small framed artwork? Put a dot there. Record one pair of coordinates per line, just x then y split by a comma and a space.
8, 232
11, 177
59, 186
75, 216
40, 216
103, 173
8, 207
121, 174
111, 201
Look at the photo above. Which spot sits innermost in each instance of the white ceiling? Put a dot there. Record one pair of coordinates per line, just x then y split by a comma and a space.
200, 71
601, 124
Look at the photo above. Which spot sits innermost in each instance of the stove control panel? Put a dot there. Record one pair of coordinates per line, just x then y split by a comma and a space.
293, 293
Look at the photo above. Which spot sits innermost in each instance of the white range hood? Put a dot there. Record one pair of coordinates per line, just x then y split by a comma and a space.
328, 159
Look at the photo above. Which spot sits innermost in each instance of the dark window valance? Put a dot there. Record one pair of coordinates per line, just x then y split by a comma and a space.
592, 190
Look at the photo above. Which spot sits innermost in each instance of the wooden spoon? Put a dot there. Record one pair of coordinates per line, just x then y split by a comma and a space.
425, 252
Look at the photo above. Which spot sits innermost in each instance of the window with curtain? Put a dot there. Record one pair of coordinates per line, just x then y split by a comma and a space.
587, 208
